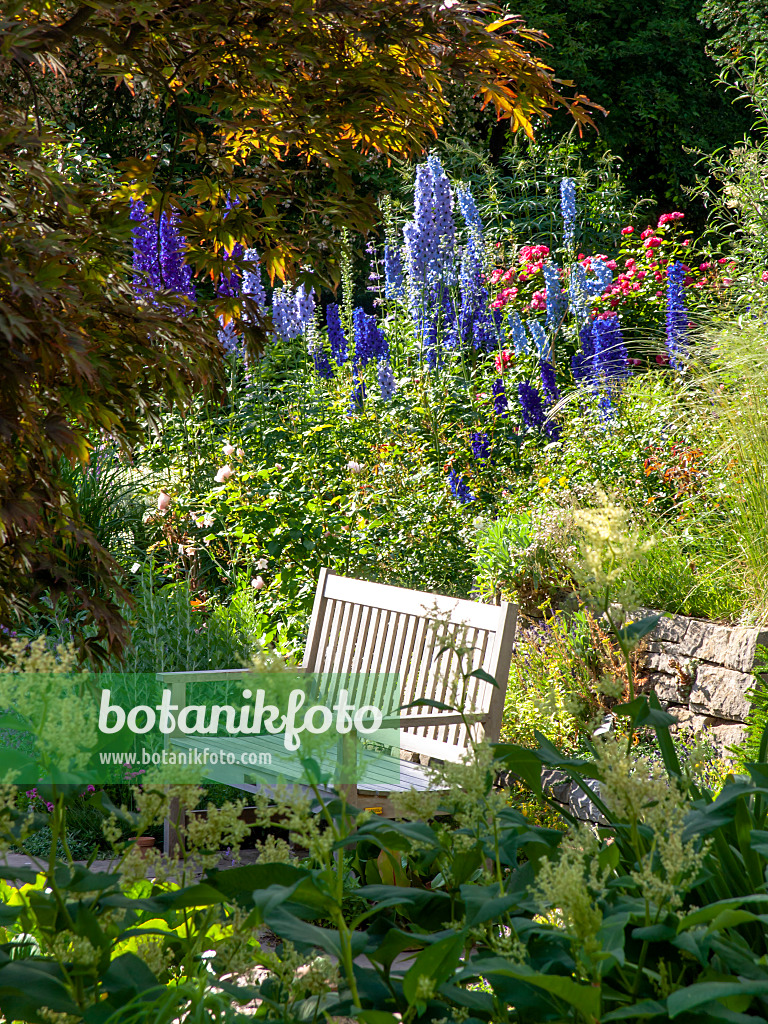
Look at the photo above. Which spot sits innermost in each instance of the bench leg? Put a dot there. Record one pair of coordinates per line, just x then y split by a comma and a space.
176, 816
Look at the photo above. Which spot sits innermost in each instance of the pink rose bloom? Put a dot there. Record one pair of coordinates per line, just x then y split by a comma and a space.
764, 276
229, 450
538, 301
627, 231
662, 359
504, 297
503, 359
496, 275
525, 253
722, 260
652, 243
708, 266
240, 453
686, 242
641, 274
630, 263
223, 474
508, 274
727, 281
163, 501
647, 233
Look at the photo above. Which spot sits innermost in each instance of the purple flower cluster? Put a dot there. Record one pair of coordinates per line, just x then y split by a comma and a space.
370, 340
603, 360
549, 383
609, 358
460, 488
481, 447
677, 316
316, 349
530, 404
499, 397
292, 311
532, 409
158, 256
393, 273
253, 286
336, 337
387, 384
285, 316
430, 238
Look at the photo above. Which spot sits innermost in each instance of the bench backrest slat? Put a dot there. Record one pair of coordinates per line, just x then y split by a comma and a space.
359, 628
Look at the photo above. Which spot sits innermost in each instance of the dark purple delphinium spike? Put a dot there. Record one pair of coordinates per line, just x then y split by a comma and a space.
460, 488
499, 397
320, 359
336, 337
581, 362
158, 257
677, 316
357, 397
146, 258
533, 411
609, 359
481, 447
530, 404
549, 383
177, 276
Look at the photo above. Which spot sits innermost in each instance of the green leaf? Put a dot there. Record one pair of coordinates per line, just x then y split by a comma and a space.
637, 630
427, 702
437, 962
687, 999
480, 673
643, 1010
522, 761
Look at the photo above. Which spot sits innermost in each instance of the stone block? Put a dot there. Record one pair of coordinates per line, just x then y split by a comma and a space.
727, 734
720, 733
731, 646
669, 689
721, 692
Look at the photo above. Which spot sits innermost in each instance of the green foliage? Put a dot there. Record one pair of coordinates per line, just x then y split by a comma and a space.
562, 680
519, 195
649, 68
659, 915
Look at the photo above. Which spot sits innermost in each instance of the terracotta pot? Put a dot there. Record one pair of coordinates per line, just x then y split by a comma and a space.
144, 843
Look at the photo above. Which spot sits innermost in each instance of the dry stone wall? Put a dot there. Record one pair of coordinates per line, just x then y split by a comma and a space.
702, 672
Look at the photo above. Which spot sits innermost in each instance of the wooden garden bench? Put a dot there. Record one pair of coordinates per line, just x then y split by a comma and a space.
371, 631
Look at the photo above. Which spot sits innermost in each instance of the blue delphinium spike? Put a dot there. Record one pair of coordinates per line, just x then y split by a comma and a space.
568, 210
677, 316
